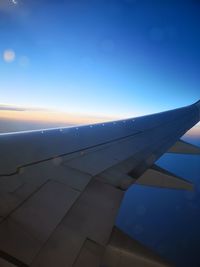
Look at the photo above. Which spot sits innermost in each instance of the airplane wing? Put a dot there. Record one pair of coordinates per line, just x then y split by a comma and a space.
60, 189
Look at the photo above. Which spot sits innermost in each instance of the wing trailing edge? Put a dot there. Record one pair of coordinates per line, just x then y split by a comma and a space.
154, 176
182, 147
159, 177
124, 251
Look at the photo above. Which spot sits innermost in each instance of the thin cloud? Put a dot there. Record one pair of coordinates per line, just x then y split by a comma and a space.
11, 108
17, 108
16, 113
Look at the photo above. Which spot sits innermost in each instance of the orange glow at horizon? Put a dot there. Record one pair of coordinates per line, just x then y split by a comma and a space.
44, 116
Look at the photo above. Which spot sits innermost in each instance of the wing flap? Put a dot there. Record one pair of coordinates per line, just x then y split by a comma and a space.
123, 251
91, 217
182, 147
35, 219
90, 255
159, 177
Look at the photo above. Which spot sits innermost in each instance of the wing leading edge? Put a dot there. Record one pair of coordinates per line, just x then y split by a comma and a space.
60, 189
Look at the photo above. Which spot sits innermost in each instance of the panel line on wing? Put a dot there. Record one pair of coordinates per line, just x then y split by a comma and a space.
69, 153
9, 258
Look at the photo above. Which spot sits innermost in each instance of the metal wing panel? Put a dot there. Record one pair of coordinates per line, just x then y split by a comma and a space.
92, 217
37, 146
53, 202
124, 251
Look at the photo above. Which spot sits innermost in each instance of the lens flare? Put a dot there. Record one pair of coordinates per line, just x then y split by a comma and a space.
9, 55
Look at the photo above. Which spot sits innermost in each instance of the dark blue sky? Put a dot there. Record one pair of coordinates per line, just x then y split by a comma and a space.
100, 57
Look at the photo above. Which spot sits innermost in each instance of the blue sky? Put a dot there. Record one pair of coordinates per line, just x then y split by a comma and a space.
100, 57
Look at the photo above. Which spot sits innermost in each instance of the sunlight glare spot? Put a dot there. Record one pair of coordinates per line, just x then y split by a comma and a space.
9, 55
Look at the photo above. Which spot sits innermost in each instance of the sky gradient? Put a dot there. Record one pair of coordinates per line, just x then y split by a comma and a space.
83, 61
116, 58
